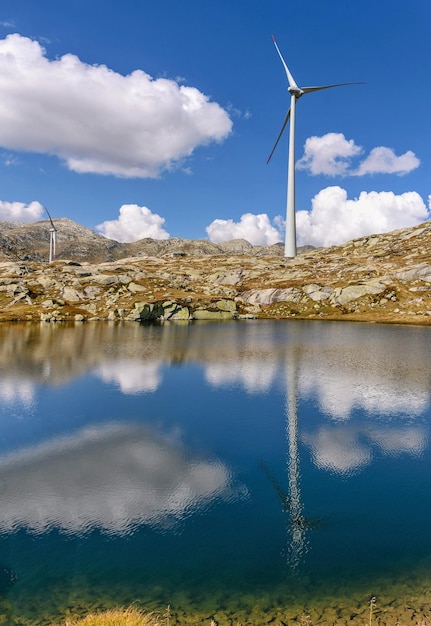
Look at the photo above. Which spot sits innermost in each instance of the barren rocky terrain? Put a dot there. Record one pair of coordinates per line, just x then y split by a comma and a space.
379, 278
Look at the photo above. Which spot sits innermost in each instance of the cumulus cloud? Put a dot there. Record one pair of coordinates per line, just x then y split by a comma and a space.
97, 120
20, 212
134, 222
332, 154
384, 160
329, 155
256, 229
334, 219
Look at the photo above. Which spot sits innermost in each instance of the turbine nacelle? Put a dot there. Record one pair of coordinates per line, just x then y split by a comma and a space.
296, 91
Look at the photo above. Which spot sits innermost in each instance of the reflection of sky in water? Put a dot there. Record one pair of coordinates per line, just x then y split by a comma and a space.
253, 376
214, 455
131, 376
342, 369
340, 381
376, 387
111, 478
18, 392
347, 448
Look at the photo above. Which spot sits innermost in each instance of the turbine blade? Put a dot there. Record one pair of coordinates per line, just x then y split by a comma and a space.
286, 119
311, 89
288, 74
52, 223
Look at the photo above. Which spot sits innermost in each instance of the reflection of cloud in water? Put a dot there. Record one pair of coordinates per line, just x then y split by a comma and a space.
339, 450
344, 371
113, 478
383, 370
345, 449
255, 376
132, 376
15, 391
344, 385
394, 441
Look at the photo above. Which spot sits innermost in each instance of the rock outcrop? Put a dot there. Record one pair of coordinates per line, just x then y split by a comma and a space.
382, 278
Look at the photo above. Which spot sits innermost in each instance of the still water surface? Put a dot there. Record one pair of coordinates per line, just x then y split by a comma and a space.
235, 470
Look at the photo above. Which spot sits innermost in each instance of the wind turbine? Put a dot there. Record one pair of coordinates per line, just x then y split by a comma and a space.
52, 233
295, 93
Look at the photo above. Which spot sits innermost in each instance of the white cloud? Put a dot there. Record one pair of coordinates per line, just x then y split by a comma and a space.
334, 219
234, 112
329, 155
134, 223
20, 212
332, 154
383, 160
97, 120
256, 229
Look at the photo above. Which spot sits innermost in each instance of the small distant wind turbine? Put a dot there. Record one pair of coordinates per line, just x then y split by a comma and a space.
52, 233
295, 93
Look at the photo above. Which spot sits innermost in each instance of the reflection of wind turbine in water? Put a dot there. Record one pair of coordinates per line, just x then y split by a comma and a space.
298, 524
291, 498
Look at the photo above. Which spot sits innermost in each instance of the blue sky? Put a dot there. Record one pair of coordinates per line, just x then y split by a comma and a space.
144, 118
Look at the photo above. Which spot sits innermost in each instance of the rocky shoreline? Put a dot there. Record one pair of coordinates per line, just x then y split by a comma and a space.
381, 278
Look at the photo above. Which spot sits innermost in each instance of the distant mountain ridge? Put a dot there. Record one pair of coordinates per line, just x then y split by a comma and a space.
30, 242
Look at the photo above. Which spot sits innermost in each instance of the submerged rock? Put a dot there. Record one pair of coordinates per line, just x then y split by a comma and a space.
7, 578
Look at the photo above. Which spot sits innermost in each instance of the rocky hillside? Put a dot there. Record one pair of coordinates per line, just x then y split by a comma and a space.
383, 278
30, 242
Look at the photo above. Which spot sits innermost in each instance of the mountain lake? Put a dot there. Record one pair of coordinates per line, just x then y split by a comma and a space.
246, 472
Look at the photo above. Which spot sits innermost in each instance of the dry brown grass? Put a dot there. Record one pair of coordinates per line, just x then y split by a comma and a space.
131, 616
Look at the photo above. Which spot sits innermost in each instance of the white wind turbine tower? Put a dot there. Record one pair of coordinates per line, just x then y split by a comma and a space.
295, 93
52, 234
